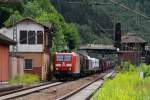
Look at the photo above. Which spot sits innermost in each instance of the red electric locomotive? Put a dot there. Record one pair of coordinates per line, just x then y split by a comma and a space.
66, 65
75, 64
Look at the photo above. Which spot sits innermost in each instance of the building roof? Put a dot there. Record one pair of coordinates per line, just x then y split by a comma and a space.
97, 46
5, 40
28, 19
132, 38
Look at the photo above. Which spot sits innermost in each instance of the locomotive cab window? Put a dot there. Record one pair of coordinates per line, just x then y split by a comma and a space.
59, 57
67, 57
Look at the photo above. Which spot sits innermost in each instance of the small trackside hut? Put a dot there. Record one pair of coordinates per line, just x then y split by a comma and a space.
132, 49
33, 44
129, 47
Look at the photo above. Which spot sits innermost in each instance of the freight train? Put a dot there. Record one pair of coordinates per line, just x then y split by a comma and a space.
73, 65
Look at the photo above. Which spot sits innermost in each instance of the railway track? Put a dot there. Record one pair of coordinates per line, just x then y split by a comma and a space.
25, 91
57, 90
86, 92
18, 88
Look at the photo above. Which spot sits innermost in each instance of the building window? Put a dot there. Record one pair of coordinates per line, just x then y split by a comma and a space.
31, 37
23, 37
39, 37
28, 64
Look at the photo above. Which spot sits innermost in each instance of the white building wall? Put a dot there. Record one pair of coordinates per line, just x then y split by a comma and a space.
28, 27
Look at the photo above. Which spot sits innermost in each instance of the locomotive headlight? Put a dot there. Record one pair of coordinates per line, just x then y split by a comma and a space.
57, 68
58, 65
68, 65
69, 68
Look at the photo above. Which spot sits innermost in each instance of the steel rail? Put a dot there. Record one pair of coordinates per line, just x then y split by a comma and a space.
25, 91
67, 96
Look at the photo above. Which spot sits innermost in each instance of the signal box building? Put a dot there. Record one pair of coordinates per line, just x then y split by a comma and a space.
33, 43
132, 48
4, 57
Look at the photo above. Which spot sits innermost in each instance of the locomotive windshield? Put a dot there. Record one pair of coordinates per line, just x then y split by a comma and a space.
63, 57
67, 57
59, 57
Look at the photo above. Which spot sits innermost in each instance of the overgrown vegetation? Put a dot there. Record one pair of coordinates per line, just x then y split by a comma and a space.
127, 85
128, 67
146, 69
25, 79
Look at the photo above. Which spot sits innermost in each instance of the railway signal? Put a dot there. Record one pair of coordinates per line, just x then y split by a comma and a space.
118, 35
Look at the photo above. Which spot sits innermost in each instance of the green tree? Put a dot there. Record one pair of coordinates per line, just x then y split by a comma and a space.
15, 16
72, 36
6, 10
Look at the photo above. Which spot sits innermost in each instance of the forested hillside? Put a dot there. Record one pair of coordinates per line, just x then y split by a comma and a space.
66, 34
95, 22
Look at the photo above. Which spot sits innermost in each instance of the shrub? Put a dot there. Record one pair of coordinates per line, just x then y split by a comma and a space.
118, 68
25, 79
146, 69
128, 67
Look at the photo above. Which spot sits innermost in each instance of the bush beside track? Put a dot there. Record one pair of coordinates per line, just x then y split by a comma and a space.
127, 85
25, 79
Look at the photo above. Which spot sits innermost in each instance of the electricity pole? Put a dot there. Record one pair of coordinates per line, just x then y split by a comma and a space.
15, 47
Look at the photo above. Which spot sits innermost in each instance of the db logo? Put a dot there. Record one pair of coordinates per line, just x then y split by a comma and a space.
63, 64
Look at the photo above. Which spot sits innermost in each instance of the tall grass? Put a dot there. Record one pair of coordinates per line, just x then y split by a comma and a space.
25, 79
127, 85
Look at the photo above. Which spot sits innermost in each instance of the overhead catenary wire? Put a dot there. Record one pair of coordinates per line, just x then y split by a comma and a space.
91, 4
134, 11
94, 3
137, 47
114, 2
